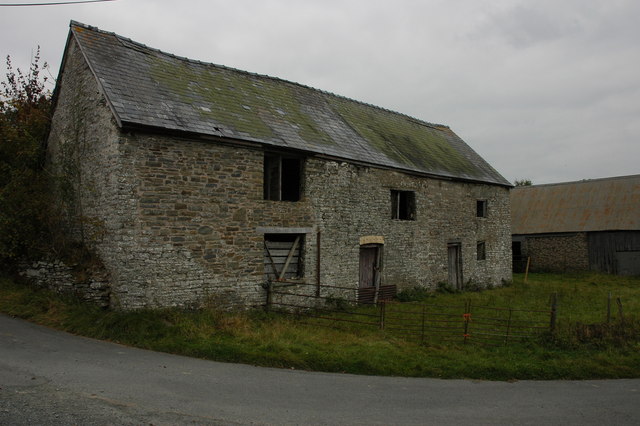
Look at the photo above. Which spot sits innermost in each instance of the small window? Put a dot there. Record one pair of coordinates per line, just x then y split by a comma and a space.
481, 208
481, 253
282, 177
403, 205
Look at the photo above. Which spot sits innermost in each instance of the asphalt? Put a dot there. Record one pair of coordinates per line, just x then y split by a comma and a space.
48, 377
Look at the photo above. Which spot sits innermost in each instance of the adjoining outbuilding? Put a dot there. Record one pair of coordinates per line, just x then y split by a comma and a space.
577, 226
195, 182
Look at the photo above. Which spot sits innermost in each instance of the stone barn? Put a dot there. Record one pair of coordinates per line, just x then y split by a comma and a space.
195, 182
578, 226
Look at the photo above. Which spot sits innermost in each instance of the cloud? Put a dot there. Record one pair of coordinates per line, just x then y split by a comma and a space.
542, 89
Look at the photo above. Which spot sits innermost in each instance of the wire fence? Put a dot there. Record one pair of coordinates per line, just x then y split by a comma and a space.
490, 325
423, 323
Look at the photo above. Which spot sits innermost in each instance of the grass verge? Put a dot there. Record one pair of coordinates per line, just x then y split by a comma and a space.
585, 346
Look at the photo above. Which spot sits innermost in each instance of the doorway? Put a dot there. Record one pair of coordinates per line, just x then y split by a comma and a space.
455, 265
370, 258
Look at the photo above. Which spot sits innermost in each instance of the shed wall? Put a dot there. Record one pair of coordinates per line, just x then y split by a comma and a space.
557, 252
604, 249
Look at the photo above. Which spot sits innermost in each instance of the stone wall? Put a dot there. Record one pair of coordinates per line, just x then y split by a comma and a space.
181, 222
90, 285
558, 253
415, 251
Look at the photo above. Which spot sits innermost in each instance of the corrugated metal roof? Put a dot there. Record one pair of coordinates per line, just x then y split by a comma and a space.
148, 87
607, 204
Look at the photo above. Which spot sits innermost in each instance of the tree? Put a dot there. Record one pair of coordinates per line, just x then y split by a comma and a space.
25, 114
522, 182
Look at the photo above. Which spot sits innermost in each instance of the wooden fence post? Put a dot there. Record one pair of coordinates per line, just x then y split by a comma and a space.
269, 295
383, 308
554, 313
526, 271
609, 308
620, 314
422, 331
506, 337
318, 259
467, 318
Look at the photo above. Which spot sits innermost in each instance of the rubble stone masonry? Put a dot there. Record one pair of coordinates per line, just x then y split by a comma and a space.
181, 222
558, 253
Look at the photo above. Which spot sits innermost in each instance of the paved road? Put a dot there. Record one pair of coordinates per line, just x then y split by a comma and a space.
50, 377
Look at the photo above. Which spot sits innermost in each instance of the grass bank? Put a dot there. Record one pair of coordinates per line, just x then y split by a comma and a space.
273, 340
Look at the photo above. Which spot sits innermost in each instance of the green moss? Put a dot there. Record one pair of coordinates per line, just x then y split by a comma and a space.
403, 139
248, 104
267, 109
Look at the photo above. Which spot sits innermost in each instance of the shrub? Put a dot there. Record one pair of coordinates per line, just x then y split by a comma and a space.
25, 108
414, 294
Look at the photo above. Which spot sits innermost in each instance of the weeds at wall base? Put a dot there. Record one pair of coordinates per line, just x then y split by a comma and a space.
269, 339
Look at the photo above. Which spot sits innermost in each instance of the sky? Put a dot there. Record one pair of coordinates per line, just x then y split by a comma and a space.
545, 90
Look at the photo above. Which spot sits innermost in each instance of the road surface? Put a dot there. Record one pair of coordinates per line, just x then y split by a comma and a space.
48, 377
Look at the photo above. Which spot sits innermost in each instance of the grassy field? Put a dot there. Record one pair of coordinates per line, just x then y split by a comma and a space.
583, 347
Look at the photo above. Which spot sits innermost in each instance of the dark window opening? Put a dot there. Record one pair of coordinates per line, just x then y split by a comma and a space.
283, 256
516, 248
481, 253
282, 178
403, 205
481, 208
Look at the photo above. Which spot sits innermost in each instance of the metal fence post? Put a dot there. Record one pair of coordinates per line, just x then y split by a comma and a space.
383, 309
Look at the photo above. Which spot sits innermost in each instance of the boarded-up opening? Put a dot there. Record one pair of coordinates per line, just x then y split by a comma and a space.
283, 256
455, 265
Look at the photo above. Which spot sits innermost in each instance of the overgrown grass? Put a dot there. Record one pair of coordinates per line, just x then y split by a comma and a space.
269, 339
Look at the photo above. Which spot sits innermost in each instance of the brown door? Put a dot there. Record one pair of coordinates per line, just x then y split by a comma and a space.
368, 260
455, 266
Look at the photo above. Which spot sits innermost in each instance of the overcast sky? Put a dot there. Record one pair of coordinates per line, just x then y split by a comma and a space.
547, 90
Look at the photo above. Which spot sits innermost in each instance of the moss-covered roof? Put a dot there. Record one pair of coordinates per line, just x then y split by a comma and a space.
148, 87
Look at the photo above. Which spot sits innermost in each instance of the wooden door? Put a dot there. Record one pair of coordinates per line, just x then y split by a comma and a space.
368, 263
455, 266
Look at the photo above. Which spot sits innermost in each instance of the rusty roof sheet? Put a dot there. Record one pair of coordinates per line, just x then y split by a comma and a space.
150, 88
607, 204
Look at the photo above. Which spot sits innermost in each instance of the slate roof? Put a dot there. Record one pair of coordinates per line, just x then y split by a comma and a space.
146, 87
609, 204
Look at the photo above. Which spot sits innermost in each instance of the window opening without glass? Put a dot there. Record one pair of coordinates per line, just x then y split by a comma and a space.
282, 177
481, 251
481, 208
403, 205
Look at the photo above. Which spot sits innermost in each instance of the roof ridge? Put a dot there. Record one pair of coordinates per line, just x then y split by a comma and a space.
264, 76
